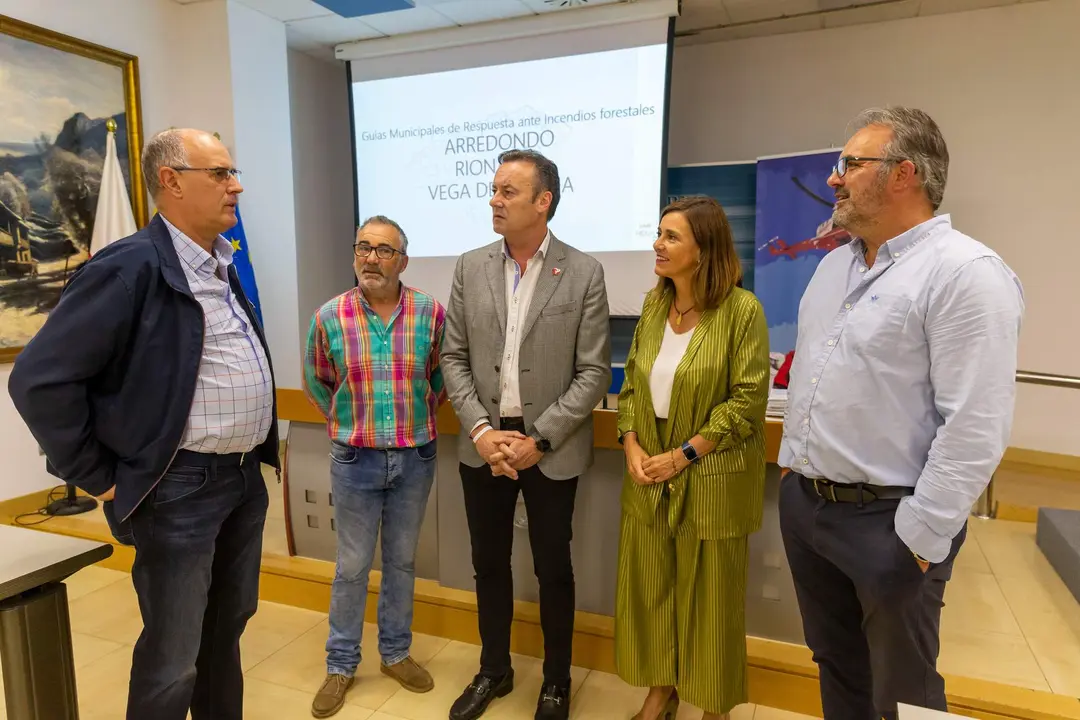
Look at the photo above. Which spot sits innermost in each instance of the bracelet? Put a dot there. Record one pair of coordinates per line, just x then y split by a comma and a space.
673, 471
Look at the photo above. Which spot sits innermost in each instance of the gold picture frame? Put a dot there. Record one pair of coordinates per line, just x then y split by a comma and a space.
45, 236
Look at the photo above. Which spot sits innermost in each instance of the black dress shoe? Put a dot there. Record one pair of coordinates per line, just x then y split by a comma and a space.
476, 698
554, 703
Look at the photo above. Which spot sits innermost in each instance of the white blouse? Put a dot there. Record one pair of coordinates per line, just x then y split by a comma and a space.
662, 377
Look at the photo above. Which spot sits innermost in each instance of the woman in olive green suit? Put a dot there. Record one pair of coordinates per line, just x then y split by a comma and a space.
692, 424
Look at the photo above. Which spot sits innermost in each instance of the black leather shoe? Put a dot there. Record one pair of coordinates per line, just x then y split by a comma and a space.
554, 703
480, 693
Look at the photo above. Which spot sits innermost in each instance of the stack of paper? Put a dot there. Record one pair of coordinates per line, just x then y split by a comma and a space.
777, 403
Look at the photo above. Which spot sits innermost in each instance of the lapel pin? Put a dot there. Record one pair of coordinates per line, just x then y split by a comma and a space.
556, 271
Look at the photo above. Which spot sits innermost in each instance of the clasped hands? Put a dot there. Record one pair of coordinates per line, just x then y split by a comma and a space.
647, 470
507, 452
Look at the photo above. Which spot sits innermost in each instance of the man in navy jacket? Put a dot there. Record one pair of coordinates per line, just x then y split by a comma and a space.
150, 388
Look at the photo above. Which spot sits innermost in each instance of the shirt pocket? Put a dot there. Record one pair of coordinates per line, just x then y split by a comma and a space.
877, 320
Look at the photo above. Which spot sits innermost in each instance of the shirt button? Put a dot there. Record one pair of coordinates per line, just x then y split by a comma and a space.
895, 255
862, 270
671, 487
806, 421
805, 461
813, 381
847, 306
831, 343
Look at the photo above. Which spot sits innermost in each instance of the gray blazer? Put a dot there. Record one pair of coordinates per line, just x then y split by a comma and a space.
565, 360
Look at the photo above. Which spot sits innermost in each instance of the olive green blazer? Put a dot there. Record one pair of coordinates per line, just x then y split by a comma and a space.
720, 391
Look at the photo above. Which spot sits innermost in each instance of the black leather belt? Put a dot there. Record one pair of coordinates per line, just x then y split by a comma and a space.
512, 423
860, 493
190, 458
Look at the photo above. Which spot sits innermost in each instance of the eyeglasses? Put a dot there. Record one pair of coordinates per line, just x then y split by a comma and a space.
219, 174
383, 252
841, 166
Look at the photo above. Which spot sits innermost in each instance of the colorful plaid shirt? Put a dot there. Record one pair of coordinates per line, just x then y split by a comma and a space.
379, 385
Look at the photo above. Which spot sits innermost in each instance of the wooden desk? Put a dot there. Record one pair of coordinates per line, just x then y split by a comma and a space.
35, 629
294, 406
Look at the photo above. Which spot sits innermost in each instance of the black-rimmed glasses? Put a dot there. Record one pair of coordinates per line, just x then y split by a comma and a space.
841, 166
383, 252
219, 174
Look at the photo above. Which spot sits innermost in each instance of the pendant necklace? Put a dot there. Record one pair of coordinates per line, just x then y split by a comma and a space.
679, 313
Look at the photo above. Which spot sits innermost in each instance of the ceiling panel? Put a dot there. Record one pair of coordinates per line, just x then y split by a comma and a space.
466, 12
873, 13
401, 22
939, 7
782, 26
753, 10
703, 13
540, 6
334, 29
286, 10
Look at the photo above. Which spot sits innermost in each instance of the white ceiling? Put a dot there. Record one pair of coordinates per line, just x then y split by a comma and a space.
315, 30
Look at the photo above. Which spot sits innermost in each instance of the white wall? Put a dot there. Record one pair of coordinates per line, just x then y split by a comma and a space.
263, 151
322, 182
1002, 84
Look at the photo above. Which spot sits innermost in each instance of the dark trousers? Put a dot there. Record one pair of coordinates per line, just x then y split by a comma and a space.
490, 503
198, 545
870, 615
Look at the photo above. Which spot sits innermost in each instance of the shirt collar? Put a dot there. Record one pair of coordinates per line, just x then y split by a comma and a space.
194, 256
905, 241
367, 306
541, 252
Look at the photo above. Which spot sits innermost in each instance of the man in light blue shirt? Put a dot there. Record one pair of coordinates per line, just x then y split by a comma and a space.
899, 410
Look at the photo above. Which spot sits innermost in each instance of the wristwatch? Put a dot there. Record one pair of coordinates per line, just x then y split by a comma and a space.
689, 452
541, 442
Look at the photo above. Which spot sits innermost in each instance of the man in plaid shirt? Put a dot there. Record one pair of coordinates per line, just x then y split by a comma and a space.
372, 368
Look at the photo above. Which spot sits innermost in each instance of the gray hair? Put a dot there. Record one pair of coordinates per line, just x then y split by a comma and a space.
916, 137
165, 149
383, 220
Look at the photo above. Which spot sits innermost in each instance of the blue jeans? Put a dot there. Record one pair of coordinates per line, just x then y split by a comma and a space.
373, 488
198, 546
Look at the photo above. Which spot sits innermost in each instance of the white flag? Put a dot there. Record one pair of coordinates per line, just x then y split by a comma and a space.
113, 219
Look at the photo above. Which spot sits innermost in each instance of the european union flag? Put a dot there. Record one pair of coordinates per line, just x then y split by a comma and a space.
242, 263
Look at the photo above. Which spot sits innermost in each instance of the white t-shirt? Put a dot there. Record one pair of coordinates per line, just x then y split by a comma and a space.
662, 377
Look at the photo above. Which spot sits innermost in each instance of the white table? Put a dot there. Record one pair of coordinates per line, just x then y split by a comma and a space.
35, 629
910, 712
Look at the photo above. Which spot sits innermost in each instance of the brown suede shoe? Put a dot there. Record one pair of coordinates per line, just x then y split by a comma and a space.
331, 696
411, 676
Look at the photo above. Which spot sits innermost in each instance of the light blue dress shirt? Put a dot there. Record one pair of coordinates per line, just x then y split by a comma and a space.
905, 374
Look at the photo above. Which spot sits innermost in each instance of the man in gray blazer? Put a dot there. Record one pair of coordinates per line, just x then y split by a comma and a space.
526, 358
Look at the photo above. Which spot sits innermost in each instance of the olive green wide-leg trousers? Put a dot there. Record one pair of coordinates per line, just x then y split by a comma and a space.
680, 614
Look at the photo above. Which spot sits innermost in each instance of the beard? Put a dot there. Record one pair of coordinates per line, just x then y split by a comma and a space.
374, 280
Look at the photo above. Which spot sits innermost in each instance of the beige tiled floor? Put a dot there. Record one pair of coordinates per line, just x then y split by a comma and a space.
1007, 618
284, 660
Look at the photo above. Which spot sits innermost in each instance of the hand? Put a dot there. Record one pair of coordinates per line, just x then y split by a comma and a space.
494, 447
523, 453
924, 565
784, 472
489, 443
635, 457
663, 467
107, 495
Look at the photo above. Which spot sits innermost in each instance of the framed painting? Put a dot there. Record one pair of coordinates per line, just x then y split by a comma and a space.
60, 96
